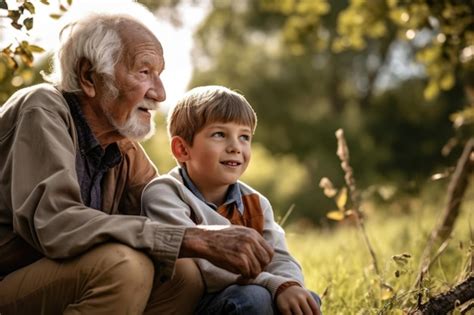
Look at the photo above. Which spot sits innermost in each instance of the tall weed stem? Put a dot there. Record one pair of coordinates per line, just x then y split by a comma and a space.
343, 154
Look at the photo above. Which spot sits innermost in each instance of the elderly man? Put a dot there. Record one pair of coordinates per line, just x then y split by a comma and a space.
71, 177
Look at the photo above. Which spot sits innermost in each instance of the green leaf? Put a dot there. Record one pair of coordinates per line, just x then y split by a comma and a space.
335, 215
55, 16
431, 90
69, 2
8, 48
24, 44
25, 53
27, 76
11, 62
402, 259
386, 293
26, 58
16, 25
45, 2
14, 14
28, 22
62, 8
3, 5
392, 3
341, 198
29, 6
36, 49
3, 70
463, 117
447, 81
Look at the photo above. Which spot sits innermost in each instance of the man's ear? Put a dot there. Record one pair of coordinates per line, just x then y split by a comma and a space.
85, 77
179, 148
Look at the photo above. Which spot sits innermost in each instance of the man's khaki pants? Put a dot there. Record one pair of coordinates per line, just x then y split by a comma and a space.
109, 279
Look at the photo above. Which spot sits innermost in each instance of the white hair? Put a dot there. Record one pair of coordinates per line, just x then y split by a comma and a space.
94, 36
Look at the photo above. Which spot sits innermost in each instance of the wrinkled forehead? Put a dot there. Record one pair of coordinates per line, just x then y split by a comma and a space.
139, 41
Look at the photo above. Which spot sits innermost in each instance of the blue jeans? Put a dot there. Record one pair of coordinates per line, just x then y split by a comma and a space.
240, 299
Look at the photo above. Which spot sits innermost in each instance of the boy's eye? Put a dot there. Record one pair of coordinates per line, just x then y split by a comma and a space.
218, 134
245, 137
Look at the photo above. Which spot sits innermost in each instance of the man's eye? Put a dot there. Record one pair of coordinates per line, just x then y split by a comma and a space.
145, 71
218, 134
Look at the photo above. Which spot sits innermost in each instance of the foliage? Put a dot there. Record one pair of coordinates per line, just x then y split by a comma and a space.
303, 95
17, 58
337, 266
23, 76
22, 18
440, 31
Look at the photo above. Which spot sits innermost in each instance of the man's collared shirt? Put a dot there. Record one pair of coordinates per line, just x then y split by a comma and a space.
233, 196
92, 162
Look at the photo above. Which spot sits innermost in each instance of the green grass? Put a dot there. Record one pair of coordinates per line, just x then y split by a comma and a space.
337, 260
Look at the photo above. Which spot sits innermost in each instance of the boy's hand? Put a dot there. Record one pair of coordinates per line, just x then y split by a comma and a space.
296, 300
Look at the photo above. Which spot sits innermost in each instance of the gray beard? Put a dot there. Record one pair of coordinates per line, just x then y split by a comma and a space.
133, 129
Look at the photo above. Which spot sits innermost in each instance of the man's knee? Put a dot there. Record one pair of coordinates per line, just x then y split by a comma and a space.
187, 274
119, 272
108, 279
180, 294
121, 263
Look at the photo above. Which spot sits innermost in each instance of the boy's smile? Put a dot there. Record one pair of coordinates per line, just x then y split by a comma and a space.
220, 153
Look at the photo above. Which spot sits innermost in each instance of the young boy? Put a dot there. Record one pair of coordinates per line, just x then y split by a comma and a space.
211, 131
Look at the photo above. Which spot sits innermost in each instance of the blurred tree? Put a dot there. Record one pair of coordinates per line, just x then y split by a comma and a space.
441, 32
308, 70
17, 57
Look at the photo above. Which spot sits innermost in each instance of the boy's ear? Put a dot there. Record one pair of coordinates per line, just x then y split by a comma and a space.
179, 148
85, 77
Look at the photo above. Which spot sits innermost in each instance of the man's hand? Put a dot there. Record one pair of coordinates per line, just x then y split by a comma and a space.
296, 300
238, 249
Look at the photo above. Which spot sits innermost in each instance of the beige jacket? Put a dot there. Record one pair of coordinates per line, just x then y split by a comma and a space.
167, 200
41, 212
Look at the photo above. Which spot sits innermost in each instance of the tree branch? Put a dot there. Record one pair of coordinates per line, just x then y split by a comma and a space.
457, 188
445, 302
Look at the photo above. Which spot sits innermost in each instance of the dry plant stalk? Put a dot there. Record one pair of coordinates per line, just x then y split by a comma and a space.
456, 190
343, 154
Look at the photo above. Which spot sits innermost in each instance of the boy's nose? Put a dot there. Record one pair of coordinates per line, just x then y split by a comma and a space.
233, 147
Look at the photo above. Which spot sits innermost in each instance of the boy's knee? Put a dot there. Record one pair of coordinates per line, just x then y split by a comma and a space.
249, 299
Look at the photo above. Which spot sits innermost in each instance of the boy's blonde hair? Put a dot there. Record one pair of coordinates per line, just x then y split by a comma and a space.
208, 104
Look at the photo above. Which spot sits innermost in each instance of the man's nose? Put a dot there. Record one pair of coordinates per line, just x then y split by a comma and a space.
157, 90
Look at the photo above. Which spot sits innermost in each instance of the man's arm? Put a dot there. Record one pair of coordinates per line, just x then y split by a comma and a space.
238, 249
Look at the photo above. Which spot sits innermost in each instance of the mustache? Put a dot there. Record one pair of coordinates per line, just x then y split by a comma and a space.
148, 104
